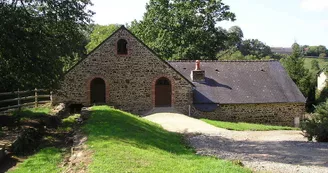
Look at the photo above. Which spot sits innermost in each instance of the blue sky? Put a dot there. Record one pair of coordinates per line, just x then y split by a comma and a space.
277, 23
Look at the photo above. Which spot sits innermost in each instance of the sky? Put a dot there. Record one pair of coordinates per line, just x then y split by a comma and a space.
278, 23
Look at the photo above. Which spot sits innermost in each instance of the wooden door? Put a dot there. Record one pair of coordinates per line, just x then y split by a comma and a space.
98, 91
163, 93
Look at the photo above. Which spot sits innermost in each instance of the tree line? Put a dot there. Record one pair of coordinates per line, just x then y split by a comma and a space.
318, 51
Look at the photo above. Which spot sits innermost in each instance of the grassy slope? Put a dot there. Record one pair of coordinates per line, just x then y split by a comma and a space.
45, 161
322, 62
49, 158
32, 112
246, 126
125, 143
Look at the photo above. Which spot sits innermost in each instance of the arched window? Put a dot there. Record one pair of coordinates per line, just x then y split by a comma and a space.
121, 47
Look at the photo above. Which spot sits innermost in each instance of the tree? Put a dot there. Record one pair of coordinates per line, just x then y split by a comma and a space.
322, 49
315, 50
294, 65
322, 55
317, 127
255, 47
315, 66
99, 34
236, 36
181, 29
235, 55
35, 35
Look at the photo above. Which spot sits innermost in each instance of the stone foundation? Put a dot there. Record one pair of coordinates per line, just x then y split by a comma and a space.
282, 114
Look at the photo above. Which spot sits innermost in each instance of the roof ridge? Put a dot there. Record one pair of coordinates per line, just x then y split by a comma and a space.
270, 60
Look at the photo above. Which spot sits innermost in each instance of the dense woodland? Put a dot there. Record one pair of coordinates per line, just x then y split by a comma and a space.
40, 40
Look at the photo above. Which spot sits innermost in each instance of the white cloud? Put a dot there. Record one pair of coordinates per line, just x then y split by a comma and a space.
314, 5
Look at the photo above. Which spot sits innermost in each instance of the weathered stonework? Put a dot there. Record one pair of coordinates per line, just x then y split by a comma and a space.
129, 79
130, 82
275, 113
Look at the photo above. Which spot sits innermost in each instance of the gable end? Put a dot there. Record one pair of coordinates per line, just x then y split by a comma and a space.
143, 44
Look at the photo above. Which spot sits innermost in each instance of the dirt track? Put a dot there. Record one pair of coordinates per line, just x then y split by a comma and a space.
269, 151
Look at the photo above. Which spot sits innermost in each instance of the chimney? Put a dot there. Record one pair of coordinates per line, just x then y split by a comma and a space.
197, 75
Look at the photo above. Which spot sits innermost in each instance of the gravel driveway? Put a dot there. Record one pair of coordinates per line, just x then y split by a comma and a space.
268, 151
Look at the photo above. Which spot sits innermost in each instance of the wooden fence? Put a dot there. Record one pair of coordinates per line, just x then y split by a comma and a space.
18, 99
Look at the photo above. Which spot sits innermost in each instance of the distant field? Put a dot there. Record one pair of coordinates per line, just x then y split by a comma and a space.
322, 62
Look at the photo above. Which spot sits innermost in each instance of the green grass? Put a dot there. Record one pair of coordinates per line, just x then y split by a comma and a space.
68, 123
32, 112
122, 142
71, 119
239, 126
322, 62
45, 161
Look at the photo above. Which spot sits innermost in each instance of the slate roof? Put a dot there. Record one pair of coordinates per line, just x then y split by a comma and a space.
241, 82
282, 50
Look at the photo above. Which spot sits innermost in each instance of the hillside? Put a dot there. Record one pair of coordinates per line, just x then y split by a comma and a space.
122, 142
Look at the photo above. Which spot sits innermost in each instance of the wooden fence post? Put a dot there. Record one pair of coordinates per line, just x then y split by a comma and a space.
51, 97
18, 100
35, 97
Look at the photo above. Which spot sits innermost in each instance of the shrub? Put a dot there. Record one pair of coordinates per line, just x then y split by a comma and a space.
317, 126
322, 55
26, 141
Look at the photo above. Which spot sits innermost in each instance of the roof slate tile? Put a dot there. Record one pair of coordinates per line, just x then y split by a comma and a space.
240, 82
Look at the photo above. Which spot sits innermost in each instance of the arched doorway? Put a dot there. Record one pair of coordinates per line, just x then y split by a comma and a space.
163, 92
98, 91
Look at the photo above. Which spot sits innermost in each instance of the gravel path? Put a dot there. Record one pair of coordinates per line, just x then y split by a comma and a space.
268, 151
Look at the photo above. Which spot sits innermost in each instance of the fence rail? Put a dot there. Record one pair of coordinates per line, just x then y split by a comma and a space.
33, 95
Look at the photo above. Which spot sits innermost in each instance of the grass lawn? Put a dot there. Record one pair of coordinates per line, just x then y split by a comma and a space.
45, 161
33, 112
122, 142
322, 62
246, 126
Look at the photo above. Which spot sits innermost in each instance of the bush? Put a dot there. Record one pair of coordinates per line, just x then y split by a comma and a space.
26, 142
317, 126
322, 55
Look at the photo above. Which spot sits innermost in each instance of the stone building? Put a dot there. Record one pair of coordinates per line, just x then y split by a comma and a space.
123, 72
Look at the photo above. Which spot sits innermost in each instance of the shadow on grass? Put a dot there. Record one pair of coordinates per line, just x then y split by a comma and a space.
23, 117
32, 113
111, 124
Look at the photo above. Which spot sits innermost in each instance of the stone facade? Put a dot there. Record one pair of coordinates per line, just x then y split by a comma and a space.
130, 79
275, 113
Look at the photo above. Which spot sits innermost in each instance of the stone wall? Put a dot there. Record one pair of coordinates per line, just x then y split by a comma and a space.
130, 79
274, 114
